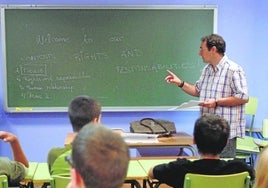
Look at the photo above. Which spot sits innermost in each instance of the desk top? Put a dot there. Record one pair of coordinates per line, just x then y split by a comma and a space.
135, 171
41, 175
178, 139
31, 171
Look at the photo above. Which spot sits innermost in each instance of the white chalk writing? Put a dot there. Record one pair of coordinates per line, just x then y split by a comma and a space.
50, 39
90, 57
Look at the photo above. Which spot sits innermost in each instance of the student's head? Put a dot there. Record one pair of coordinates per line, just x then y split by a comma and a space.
211, 133
100, 158
83, 110
215, 40
261, 180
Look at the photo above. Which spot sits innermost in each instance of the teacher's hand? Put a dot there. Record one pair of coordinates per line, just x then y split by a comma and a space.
172, 78
209, 103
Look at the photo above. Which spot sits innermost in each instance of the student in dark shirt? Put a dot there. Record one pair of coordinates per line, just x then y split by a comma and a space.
211, 133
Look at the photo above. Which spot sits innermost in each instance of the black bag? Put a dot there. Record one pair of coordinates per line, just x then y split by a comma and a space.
153, 126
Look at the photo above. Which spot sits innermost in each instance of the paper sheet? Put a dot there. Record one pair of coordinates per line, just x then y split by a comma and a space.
190, 104
139, 138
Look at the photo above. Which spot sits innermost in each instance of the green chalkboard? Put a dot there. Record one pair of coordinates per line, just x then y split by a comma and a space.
118, 55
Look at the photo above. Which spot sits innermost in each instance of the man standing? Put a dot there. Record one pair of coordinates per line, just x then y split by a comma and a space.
221, 88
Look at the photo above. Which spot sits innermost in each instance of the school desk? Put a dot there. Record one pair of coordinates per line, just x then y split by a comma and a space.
41, 175
28, 180
180, 139
135, 172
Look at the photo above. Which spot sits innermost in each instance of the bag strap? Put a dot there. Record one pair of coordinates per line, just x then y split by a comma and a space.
154, 122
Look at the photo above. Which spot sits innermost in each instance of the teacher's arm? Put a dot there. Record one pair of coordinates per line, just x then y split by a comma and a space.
188, 88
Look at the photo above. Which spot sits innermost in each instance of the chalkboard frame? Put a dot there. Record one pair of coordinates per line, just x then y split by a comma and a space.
26, 109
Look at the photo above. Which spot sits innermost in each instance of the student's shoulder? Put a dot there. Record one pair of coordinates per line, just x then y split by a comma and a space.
182, 161
236, 161
238, 164
12, 168
6, 162
59, 150
55, 152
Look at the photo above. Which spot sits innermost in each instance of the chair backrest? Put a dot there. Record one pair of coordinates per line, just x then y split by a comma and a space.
3, 181
239, 180
59, 181
251, 106
251, 109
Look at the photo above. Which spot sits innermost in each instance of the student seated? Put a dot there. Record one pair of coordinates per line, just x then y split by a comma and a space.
262, 169
99, 158
16, 169
82, 110
211, 133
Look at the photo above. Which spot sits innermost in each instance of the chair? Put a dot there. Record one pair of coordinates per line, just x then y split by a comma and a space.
3, 181
59, 181
246, 148
250, 110
239, 180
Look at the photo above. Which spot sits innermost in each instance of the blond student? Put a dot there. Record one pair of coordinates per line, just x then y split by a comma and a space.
262, 169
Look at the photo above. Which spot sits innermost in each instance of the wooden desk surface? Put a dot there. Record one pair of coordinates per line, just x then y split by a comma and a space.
180, 138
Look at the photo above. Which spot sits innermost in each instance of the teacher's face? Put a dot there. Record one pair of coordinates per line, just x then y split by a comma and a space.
204, 52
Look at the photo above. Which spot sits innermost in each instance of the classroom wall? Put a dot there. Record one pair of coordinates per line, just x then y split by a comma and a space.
243, 24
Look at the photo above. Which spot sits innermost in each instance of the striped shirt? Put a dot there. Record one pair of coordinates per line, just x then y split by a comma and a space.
228, 80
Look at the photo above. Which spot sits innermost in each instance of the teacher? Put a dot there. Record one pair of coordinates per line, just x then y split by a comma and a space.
221, 88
